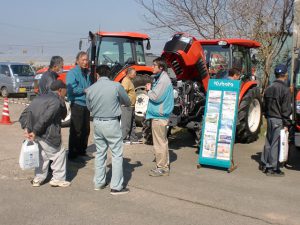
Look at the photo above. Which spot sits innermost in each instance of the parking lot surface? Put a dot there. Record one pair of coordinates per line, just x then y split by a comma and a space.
188, 196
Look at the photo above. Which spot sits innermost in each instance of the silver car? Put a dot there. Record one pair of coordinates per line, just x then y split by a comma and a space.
16, 78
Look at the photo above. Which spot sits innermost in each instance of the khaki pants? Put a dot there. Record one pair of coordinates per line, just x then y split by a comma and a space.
160, 142
58, 165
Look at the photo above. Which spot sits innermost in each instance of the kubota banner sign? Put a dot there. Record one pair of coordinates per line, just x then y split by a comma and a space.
219, 123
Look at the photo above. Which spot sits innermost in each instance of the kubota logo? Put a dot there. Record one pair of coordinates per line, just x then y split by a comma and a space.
223, 84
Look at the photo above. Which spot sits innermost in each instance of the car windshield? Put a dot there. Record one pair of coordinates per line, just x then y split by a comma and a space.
22, 70
218, 60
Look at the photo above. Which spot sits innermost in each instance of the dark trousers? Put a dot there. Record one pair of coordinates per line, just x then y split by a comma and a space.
79, 130
128, 123
270, 155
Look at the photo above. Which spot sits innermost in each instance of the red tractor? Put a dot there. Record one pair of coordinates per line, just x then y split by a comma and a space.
121, 50
118, 50
194, 62
296, 115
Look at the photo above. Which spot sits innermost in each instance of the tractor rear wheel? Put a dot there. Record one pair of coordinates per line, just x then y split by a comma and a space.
141, 97
249, 117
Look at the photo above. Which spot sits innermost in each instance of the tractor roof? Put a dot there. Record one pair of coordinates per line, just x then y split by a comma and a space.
124, 34
233, 41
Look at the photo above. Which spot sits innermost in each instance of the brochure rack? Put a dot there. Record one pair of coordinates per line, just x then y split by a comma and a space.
219, 123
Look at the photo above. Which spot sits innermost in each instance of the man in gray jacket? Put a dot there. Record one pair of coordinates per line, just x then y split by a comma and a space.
104, 99
41, 122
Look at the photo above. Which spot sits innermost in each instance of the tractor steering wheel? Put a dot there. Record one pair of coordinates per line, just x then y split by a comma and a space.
107, 58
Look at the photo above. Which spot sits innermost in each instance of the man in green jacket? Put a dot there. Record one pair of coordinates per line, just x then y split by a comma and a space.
78, 80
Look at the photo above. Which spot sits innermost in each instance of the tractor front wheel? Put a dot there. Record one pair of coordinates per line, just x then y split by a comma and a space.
66, 122
141, 97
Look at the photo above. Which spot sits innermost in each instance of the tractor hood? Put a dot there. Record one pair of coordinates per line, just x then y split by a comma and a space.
184, 54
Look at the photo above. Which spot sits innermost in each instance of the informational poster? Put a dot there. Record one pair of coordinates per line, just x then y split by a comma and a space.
219, 123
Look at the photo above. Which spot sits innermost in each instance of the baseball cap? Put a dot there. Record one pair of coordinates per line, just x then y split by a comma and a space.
280, 69
57, 85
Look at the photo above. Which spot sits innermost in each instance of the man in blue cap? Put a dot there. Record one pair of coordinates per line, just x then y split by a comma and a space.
277, 110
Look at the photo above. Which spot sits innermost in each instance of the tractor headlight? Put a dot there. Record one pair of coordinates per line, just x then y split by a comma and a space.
222, 43
186, 39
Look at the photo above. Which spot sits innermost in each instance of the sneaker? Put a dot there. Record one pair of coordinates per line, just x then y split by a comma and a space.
101, 187
119, 192
59, 183
263, 168
288, 166
36, 183
138, 141
275, 173
158, 172
126, 142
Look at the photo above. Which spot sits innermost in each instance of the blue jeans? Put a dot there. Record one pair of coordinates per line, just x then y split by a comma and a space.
269, 156
108, 134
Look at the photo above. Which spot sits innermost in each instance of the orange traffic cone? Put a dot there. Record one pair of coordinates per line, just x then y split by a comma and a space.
5, 114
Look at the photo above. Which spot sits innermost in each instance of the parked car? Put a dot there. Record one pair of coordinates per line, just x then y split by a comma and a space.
16, 78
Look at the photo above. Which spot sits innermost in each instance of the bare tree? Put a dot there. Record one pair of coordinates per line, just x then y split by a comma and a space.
205, 18
267, 21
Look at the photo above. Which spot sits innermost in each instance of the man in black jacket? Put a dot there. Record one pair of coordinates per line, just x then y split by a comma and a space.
277, 109
41, 121
55, 67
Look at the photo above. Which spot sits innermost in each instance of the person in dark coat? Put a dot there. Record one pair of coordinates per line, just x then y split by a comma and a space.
51, 75
41, 122
277, 110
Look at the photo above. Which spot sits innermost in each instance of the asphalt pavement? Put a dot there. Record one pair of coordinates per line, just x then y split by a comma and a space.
188, 196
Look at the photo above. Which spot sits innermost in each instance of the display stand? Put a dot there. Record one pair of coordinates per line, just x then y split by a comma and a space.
219, 123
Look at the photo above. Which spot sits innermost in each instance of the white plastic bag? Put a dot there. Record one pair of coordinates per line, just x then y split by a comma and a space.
29, 156
284, 146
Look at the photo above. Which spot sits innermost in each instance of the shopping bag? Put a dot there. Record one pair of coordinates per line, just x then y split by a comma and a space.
284, 146
29, 155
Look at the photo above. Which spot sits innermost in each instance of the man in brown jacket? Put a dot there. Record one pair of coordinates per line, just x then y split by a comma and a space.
127, 118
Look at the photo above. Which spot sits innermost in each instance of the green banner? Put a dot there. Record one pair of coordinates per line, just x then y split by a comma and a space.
219, 123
